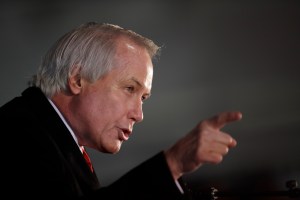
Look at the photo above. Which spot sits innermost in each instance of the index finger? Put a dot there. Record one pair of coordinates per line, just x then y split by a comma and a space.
220, 120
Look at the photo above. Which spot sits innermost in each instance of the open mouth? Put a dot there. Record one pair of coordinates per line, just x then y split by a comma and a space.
124, 134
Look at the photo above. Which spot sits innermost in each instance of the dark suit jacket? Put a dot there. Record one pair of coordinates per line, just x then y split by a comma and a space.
43, 161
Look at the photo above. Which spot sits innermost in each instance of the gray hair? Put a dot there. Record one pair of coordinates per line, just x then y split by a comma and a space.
91, 48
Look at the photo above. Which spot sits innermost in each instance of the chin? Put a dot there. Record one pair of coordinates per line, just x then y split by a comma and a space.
115, 151
112, 149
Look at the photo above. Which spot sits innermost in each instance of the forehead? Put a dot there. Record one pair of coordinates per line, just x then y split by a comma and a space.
133, 62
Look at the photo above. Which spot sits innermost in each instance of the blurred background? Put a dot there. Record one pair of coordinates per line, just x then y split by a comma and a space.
216, 56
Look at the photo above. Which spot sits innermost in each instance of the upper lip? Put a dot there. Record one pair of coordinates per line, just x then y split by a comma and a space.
126, 131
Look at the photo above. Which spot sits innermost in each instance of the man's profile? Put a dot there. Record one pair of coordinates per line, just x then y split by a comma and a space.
88, 92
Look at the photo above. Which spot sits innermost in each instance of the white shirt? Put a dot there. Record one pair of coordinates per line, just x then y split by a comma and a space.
65, 122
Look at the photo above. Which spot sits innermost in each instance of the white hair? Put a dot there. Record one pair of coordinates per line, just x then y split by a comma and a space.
91, 48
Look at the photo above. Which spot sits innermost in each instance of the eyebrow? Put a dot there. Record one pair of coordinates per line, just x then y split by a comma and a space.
136, 81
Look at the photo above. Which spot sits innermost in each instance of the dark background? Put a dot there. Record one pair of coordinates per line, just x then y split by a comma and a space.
216, 56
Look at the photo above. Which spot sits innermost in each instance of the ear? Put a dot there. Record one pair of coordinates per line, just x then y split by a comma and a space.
75, 82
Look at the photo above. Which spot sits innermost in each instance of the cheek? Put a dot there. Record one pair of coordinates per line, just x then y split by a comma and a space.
113, 111
102, 112
102, 109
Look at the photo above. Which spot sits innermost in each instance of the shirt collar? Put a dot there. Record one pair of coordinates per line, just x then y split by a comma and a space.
65, 122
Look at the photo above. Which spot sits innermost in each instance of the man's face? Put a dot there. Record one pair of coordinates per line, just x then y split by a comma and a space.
107, 109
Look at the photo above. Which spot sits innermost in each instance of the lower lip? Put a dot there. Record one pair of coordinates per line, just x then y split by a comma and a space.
124, 136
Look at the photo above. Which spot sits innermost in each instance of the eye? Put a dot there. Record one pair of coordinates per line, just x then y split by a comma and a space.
130, 89
143, 98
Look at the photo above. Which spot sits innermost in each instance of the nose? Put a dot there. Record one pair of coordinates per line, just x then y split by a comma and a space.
136, 112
